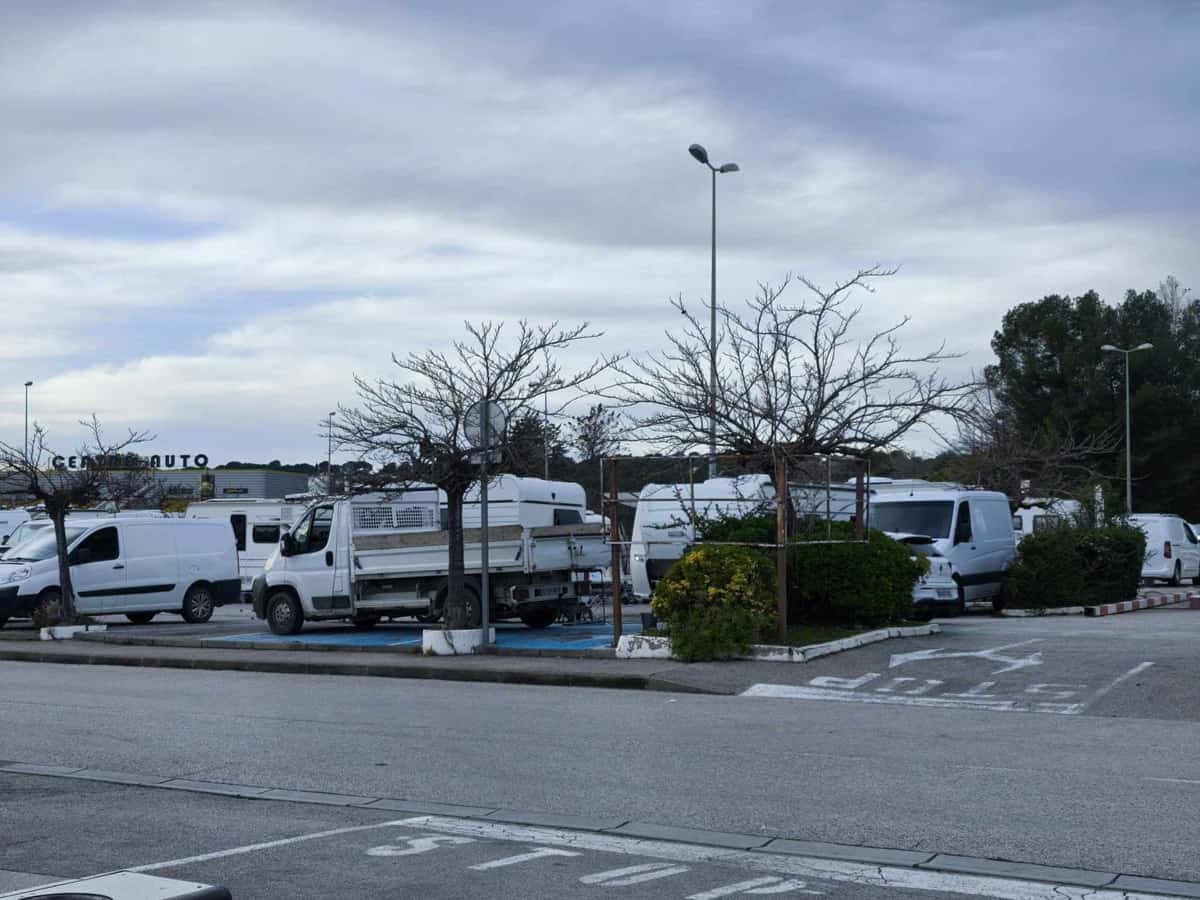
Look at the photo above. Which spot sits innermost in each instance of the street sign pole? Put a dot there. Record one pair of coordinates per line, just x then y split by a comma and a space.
485, 600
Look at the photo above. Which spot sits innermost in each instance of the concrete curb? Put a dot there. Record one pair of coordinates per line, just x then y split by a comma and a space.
1112, 609
926, 860
636, 646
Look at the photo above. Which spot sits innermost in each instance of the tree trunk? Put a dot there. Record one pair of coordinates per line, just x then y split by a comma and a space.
58, 516
457, 613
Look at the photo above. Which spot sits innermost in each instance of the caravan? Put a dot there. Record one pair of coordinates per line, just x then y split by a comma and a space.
257, 526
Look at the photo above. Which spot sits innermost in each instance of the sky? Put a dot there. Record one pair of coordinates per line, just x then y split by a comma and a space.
213, 215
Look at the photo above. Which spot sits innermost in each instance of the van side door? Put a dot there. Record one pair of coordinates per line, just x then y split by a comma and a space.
151, 569
98, 571
963, 553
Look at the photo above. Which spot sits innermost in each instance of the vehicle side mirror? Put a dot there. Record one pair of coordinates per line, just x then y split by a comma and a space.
285, 544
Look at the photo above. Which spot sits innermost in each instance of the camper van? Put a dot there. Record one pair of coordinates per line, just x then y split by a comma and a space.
135, 566
257, 526
972, 529
662, 524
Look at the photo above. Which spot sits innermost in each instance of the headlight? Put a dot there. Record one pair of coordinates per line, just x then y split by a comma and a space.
18, 574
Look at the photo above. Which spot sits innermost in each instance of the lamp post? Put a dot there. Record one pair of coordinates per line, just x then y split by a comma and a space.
329, 458
701, 156
1128, 442
28, 385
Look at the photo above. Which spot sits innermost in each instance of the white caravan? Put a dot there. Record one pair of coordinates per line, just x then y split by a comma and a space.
10, 520
1035, 515
257, 526
1172, 551
972, 529
663, 521
377, 556
137, 566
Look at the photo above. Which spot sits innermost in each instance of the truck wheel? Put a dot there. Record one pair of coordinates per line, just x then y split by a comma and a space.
198, 604
284, 615
438, 609
540, 618
48, 609
365, 621
141, 618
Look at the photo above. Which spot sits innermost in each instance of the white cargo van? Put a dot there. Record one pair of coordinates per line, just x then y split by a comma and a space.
387, 555
134, 566
972, 529
257, 526
1172, 551
663, 522
10, 520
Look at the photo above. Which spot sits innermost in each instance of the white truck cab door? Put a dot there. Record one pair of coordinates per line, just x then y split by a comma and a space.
311, 560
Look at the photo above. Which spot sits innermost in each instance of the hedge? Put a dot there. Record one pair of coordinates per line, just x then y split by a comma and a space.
850, 584
1070, 566
717, 601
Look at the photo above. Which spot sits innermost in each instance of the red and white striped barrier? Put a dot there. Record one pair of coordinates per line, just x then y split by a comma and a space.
1111, 609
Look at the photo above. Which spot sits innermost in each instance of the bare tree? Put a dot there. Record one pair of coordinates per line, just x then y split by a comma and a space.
100, 470
596, 434
991, 451
418, 423
793, 377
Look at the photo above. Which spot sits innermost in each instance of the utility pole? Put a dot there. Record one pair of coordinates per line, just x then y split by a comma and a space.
1128, 433
28, 385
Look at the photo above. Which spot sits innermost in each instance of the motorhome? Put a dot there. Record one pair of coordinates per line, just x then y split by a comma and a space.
972, 529
257, 526
135, 566
386, 555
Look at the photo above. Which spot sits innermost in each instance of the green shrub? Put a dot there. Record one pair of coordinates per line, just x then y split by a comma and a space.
868, 584
717, 601
1069, 566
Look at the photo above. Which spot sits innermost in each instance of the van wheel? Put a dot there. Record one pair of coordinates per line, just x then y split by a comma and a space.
960, 606
142, 618
540, 618
198, 604
365, 621
284, 615
48, 609
1177, 575
3, 621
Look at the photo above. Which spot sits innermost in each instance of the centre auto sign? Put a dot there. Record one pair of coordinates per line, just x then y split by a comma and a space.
133, 461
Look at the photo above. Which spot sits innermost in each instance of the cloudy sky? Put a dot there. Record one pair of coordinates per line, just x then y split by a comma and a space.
211, 215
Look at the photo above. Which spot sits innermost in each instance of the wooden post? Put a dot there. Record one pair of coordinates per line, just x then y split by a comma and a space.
614, 537
782, 499
860, 493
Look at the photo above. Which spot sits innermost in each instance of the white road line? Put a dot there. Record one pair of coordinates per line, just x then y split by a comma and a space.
1175, 780
1140, 667
799, 867
767, 885
801, 692
633, 874
267, 845
535, 853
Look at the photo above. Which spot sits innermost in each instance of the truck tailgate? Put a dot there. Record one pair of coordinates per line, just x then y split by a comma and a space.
560, 547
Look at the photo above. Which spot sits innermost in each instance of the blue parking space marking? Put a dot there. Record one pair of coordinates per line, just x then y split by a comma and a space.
509, 636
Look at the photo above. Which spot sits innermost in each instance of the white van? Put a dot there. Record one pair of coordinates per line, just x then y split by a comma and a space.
1172, 552
663, 522
257, 526
1036, 515
10, 520
972, 529
136, 566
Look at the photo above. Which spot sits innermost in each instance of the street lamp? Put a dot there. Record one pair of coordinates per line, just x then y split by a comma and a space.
701, 156
329, 458
1128, 445
28, 385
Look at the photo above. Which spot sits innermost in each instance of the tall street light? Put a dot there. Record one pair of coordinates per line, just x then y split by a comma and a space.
329, 459
28, 385
1128, 445
701, 156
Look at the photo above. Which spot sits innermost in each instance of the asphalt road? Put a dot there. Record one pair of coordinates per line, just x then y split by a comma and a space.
1081, 756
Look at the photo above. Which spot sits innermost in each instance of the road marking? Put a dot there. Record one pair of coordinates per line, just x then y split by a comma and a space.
628, 875
992, 654
535, 853
1175, 780
798, 867
266, 845
767, 885
417, 845
802, 692
1139, 668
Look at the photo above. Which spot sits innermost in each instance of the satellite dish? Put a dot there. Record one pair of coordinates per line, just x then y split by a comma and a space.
473, 423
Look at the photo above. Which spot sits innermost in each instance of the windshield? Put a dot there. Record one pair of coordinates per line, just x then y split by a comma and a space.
40, 547
20, 535
929, 517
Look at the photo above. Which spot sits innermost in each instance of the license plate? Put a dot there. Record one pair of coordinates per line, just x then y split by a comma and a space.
945, 595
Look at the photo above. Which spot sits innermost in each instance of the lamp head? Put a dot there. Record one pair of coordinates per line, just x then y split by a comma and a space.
728, 167
699, 153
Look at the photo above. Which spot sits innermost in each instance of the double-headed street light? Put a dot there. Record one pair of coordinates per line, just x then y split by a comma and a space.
1128, 445
701, 156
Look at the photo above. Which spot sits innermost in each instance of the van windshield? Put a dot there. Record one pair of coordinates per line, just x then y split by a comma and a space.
928, 517
40, 547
